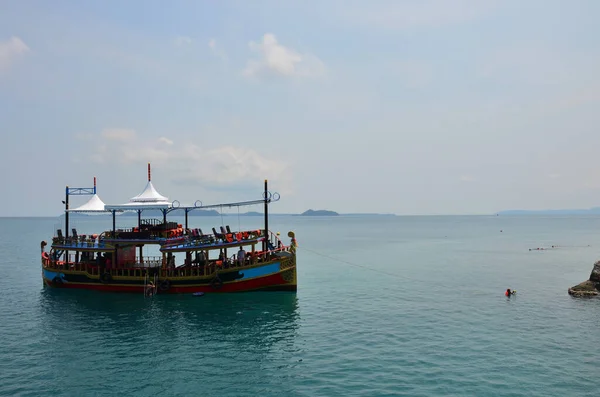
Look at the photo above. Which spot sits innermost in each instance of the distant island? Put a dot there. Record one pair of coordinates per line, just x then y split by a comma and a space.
590, 211
319, 213
252, 213
198, 212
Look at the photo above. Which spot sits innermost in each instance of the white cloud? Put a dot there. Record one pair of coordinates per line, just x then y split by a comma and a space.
220, 167
278, 59
10, 50
225, 166
180, 41
119, 134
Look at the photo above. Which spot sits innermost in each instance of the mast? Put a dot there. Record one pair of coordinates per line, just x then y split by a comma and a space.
265, 242
67, 212
66, 225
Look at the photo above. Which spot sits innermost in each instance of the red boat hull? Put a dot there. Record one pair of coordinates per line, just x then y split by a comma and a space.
274, 282
278, 278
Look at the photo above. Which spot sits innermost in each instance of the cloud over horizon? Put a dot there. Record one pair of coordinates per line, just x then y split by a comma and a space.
10, 50
277, 59
218, 167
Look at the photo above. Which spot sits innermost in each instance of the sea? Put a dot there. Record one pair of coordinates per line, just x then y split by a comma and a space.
386, 306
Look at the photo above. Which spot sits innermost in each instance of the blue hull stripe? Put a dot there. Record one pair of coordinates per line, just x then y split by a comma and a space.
260, 271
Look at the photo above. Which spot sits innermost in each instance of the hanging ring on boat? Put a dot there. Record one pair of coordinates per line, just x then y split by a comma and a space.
197, 203
216, 283
270, 196
165, 285
105, 278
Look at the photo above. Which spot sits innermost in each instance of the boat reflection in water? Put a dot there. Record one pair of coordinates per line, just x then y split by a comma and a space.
173, 344
83, 309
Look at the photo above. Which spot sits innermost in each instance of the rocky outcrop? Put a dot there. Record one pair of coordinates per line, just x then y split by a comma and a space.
595, 276
589, 287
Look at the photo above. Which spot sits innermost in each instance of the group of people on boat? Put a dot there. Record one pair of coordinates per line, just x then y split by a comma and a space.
239, 259
201, 259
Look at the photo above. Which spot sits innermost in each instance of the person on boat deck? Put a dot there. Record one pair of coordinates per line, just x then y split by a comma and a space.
222, 258
200, 258
241, 256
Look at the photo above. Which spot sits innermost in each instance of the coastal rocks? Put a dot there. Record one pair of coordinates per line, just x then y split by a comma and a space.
587, 288
595, 276
590, 287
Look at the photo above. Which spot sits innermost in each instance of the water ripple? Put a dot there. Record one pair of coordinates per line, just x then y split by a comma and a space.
440, 327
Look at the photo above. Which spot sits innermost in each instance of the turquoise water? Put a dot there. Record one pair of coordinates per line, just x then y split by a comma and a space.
385, 306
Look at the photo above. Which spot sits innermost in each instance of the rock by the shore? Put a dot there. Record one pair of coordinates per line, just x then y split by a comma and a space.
589, 287
595, 276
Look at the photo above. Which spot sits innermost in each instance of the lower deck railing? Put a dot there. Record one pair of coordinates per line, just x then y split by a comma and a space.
211, 268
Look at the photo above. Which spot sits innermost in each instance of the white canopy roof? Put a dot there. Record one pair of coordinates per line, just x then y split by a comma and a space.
148, 199
94, 204
149, 195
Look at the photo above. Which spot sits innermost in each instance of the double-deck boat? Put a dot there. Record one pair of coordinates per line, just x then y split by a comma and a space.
186, 260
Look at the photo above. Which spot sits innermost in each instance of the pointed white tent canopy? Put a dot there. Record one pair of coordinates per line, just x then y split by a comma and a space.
94, 204
149, 195
148, 199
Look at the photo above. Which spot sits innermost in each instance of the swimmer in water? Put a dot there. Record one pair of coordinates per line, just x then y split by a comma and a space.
508, 292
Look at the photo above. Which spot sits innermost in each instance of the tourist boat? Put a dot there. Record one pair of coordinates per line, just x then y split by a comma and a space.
187, 260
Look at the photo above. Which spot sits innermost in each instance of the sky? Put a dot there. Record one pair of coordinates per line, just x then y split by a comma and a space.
412, 107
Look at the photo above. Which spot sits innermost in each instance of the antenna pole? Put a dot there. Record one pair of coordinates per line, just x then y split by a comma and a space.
148, 172
265, 245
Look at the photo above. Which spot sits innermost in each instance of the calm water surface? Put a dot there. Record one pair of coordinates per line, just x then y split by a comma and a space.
385, 306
